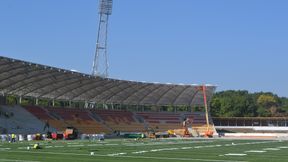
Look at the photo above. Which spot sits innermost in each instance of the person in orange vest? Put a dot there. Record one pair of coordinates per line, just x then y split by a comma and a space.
209, 133
54, 135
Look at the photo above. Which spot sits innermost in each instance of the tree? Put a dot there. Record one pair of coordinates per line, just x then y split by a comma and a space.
244, 104
11, 100
266, 100
268, 105
233, 104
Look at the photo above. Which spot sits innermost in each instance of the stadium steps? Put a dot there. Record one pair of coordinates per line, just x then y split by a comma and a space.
161, 121
39, 112
164, 127
88, 126
60, 125
104, 128
84, 120
123, 127
95, 117
54, 115
138, 118
50, 114
123, 121
22, 121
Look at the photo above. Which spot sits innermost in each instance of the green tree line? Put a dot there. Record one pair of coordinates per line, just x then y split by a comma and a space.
233, 103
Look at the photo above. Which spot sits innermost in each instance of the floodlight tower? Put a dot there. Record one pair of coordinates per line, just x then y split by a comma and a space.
100, 63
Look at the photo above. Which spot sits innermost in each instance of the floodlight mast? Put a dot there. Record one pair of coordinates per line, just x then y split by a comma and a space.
100, 62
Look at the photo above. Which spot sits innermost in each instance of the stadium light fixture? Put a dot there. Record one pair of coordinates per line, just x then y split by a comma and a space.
100, 62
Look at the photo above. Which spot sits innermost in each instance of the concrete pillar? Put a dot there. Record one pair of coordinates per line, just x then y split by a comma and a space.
36, 101
20, 99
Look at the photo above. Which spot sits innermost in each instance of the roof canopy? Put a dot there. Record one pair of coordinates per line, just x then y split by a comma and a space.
28, 79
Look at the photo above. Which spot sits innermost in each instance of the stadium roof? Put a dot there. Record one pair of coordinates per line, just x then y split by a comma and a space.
29, 79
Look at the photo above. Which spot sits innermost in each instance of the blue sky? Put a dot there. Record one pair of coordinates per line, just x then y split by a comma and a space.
234, 44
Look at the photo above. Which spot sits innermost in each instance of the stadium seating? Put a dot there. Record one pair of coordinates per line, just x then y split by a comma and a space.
78, 118
61, 118
91, 121
198, 118
89, 126
39, 112
160, 117
71, 114
120, 120
161, 121
20, 121
116, 116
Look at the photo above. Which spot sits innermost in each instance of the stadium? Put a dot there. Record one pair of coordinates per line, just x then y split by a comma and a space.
137, 120
54, 114
113, 120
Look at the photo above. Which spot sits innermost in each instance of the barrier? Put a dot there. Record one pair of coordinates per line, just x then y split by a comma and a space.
29, 137
21, 137
256, 135
4, 137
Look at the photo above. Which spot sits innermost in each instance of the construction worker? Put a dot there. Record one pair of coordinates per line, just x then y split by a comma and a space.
13, 138
36, 146
185, 126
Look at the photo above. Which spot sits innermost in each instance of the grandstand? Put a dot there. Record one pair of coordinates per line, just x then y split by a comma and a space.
18, 120
108, 104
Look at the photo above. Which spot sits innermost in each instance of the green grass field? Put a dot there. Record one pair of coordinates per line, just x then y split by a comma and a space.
147, 150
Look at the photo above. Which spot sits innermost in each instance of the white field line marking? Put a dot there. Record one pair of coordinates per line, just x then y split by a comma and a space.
170, 149
271, 149
139, 152
178, 159
250, 143
216, 146
256, 151
232, 154
117, 154
111, 144
21, 148
134, 157
53, 153
72, 143
196, 147
75, 146
208, 146
164, 143
283, 147
153, 150
91, 145
78, 145
164, 149
2, 149
17, 160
